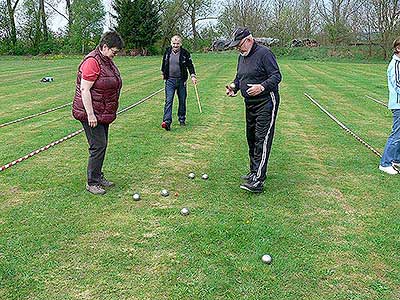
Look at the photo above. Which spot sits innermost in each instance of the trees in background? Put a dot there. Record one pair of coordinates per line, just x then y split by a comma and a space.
138, 22
250, 13
333, 22
171, 16
4, 22
67, 14
25, 25
196, 11
87, 24
386, 16
11, 7
30, 24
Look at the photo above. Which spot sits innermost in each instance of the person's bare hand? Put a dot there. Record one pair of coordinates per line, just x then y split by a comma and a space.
229, 91
255, 89
92, 120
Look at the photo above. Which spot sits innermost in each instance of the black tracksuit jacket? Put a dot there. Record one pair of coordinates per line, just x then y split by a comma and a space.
258, 67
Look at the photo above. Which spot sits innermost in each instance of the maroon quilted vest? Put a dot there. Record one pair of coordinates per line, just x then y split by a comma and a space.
105, 91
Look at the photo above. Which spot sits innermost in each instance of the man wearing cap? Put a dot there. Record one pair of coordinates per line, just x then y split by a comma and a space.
174, 69
257, 78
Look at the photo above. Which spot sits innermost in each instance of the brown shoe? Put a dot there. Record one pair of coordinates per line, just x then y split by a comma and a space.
105, 183
95, 189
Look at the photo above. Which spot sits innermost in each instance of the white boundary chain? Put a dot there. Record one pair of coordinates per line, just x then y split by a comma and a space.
35, 115
343, 126
377, 101
13, 163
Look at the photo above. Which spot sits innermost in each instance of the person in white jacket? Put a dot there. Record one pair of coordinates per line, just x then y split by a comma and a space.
390, 162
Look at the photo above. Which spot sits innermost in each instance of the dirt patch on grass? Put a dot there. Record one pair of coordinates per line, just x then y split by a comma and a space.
95, 237
323, 192
14, 197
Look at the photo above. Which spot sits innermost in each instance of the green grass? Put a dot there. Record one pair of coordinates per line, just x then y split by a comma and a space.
328, 217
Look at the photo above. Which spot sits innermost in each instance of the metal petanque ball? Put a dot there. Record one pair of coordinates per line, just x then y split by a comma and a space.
267, 259
136, 196
191, 175
164, 193
232, 85
204, 176
185, 211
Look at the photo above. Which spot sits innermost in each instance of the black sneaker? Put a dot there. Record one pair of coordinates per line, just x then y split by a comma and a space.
182, 123
254, 186
166, 126
248, 176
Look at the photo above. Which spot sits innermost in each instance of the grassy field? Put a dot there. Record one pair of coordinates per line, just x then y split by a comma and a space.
328, 217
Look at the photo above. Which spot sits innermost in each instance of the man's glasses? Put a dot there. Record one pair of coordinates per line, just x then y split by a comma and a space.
241, 43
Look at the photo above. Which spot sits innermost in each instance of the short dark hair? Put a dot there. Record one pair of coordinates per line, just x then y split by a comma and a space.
396, 43
111, 39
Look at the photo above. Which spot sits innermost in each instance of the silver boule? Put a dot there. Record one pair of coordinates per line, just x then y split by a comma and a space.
232, 85
266, 258
185, 211
204, 176
191, 175
164, 193
136, 196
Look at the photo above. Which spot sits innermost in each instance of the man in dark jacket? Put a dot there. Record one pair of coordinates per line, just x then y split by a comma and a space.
257, 78
175, 65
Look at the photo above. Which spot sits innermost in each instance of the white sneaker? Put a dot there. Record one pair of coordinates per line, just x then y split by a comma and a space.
390, 170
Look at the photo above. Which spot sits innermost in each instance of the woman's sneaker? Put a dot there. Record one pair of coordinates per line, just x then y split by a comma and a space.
389, 170
95, 189
105, 183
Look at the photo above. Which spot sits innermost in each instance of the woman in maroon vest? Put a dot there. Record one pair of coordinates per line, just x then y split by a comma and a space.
98, 87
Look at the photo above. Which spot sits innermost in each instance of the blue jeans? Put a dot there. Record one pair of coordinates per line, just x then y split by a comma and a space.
392, 148
171, 85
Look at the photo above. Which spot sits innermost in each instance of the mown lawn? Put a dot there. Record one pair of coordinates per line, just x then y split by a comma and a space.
328, 217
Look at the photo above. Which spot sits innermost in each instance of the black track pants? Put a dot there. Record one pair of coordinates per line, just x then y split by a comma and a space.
260, 128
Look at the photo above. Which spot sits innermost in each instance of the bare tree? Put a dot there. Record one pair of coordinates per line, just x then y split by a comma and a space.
196, 10
335, 15
171, 13
285, 20
387, 17
362, 24
306, 10
249, 13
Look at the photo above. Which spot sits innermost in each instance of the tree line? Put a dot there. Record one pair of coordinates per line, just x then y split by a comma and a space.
147, 25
